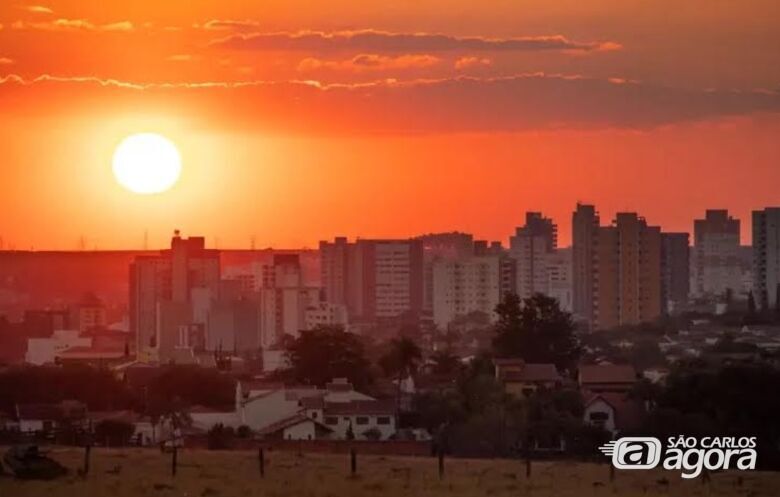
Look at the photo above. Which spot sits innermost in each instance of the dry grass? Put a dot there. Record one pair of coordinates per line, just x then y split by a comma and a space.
141, 473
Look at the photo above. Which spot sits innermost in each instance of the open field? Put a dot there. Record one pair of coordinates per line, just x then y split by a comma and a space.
145, 472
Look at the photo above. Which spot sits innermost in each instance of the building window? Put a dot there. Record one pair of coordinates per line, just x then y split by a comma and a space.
383, 420
361, 420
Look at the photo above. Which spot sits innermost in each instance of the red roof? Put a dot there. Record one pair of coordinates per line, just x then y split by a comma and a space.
508, 361
533, 373
315, 402
607, 373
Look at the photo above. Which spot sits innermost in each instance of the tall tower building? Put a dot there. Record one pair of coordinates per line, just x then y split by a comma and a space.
375, 279
716, 263
161, 293
675, 268
531, 246
766, 256
585, 229
628, 273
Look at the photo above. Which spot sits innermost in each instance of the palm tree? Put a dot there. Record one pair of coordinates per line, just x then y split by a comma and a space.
401, 360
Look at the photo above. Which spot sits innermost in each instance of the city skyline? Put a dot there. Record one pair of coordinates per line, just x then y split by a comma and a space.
295, 123
564, 231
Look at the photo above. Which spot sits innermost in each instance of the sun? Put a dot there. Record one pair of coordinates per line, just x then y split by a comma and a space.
147, 163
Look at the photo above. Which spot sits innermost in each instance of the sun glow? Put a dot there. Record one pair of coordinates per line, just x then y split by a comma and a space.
147, 163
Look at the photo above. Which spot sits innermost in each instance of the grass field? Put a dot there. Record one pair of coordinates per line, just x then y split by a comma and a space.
139, 473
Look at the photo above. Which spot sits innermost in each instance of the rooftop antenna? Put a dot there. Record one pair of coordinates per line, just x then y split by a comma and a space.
252, 244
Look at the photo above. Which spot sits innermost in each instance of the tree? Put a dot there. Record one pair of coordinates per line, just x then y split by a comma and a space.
372, 434
777, 302
537, 331
326, 352
114, 432
401, 361
220, 437
751, 304
444, 363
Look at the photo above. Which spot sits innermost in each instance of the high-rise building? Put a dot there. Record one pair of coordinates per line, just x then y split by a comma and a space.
766, 256
375, 279
531, 246
438, 247
285, 299
627, 273
675, 268
559, 278
585, 229
715, 265
463, 286
161, 294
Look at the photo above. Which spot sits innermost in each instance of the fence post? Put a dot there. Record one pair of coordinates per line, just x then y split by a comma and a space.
87, 451
441, 463
353, 461
261, 461
174, 460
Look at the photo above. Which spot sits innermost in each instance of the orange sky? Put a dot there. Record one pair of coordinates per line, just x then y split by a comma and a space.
301, 120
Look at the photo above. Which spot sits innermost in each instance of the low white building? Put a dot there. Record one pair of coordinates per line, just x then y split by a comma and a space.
367, 419
276, 411
44, 350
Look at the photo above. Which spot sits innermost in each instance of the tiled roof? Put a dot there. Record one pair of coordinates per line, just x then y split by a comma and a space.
533, 373
607, 373
38, 412
314, 402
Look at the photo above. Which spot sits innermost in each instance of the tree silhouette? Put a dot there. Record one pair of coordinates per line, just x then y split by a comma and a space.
326, 352
537, 331
401, 361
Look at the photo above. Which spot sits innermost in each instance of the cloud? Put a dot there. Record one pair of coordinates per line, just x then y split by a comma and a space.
369, 40
4, 61
228, 25
181, 58
370, 62
469, 62
38, 9
462, 104
73, 25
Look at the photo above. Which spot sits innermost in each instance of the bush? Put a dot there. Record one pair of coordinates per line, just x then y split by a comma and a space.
372, 434
220, 437
114, 432
244, 431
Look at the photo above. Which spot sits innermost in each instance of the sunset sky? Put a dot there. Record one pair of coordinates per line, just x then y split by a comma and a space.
301, 120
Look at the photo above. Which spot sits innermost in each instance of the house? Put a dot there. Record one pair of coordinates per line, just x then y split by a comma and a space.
260, 405
364, 418
296, 427
607, 378
613, 412
522, 379
45, 350
49, 417
263, 407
